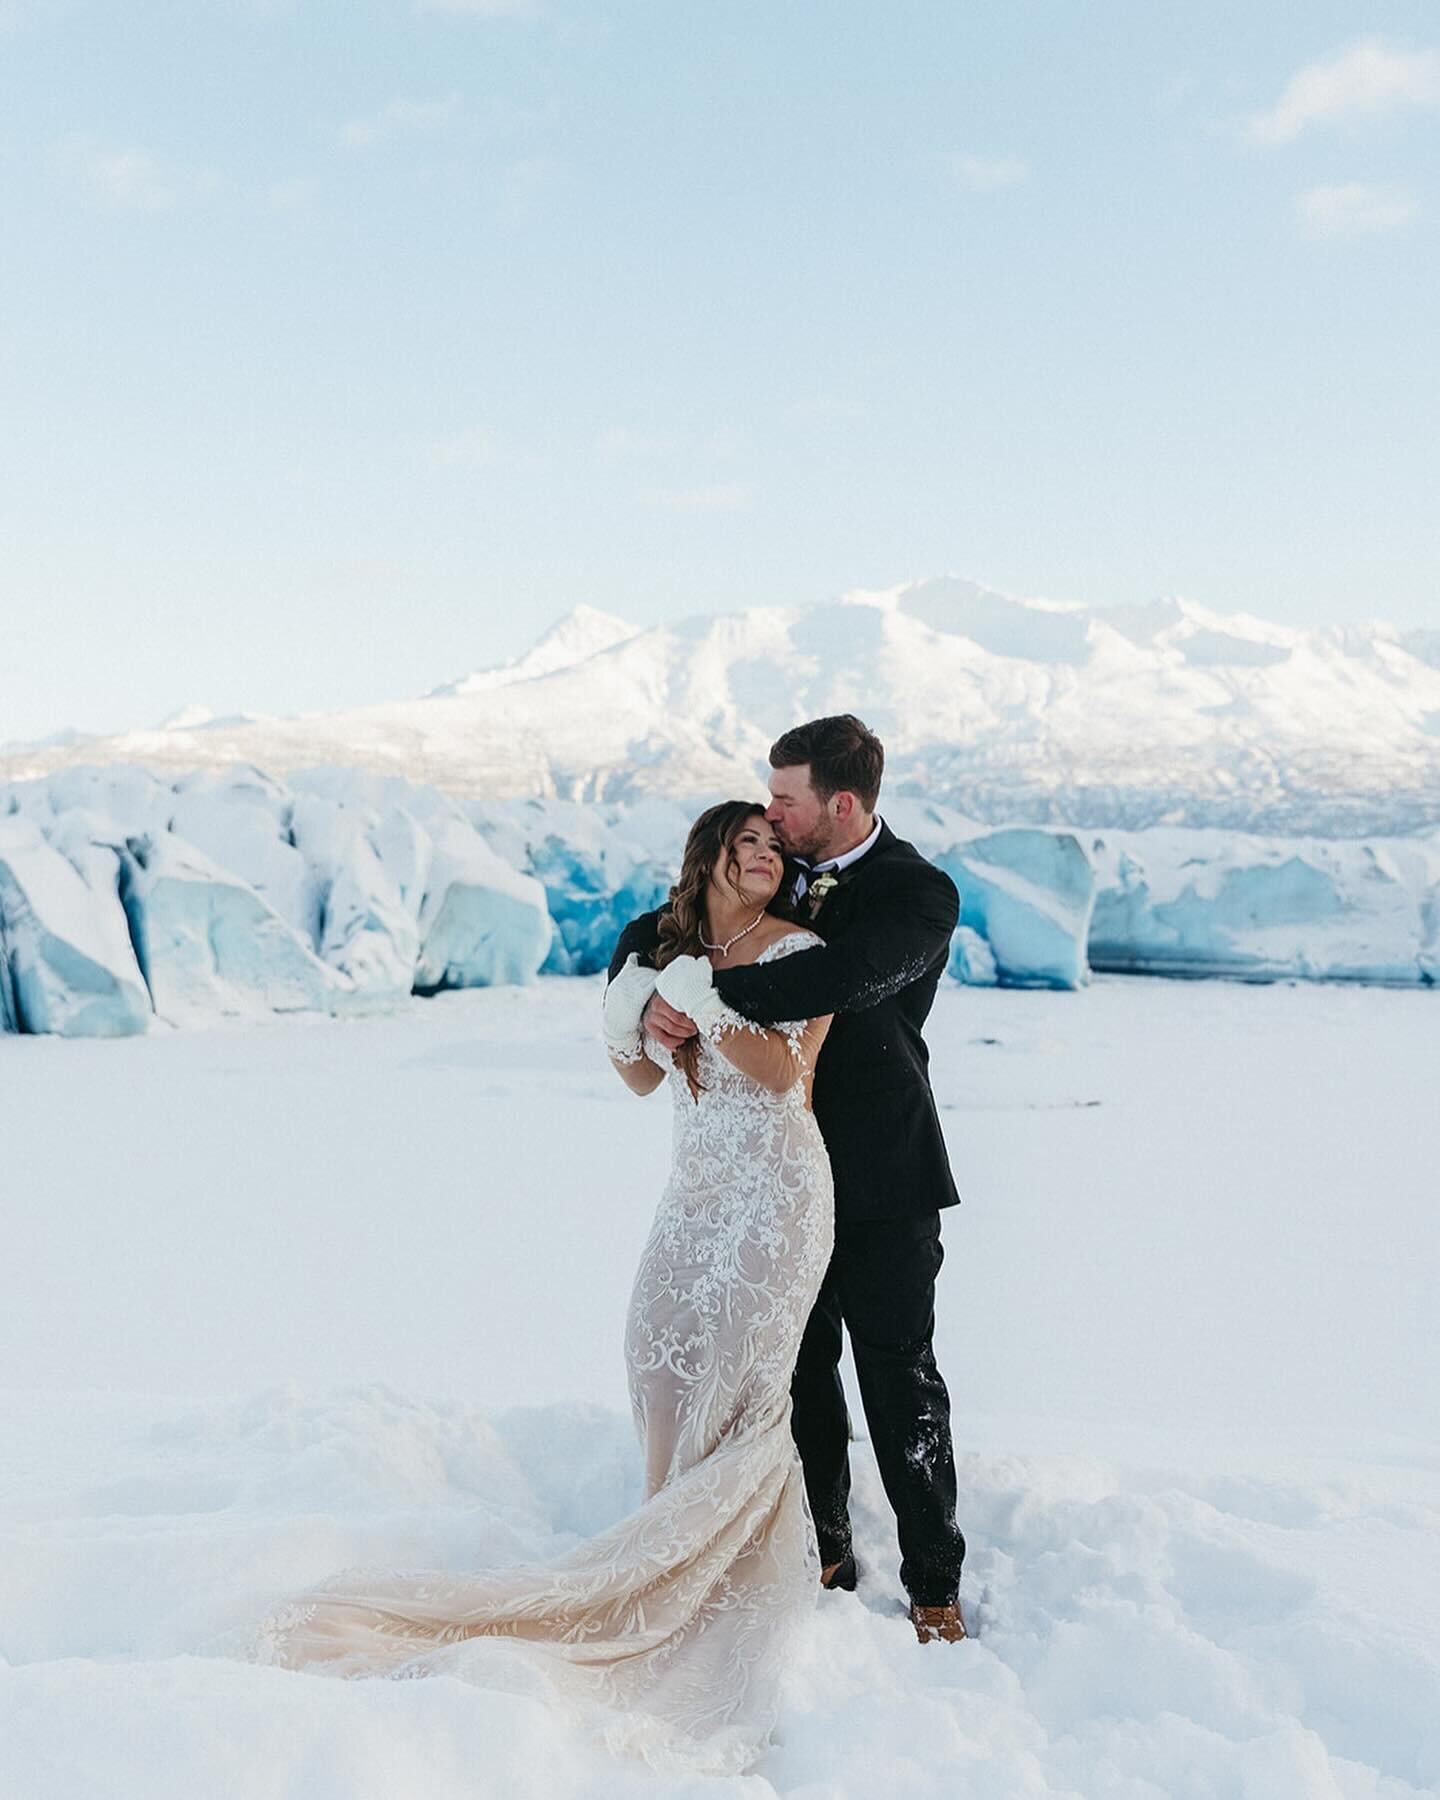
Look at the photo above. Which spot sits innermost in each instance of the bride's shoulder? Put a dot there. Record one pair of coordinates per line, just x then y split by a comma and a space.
788, 940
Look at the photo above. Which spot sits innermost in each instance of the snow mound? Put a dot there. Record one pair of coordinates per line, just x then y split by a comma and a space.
1161, 1634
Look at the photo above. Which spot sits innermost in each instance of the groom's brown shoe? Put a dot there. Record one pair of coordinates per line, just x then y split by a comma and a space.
944, 1623
842, 1574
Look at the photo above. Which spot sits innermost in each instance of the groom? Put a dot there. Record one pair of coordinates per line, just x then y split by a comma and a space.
887, 916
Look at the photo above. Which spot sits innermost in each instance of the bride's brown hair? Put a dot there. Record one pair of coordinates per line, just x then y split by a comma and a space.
712, 836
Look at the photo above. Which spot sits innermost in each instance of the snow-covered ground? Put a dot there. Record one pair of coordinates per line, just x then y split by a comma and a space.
279, 1298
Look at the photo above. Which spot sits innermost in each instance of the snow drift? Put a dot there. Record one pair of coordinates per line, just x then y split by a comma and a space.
1185, 1312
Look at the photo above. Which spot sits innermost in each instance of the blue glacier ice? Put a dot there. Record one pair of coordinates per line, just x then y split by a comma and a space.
242, 819
482, 922
589, 917
1025, 892
129, 796
599, 865
210, 946
398, 859
234, 893
1028, 894
369, 904
67, 965
1174, 902
972, 961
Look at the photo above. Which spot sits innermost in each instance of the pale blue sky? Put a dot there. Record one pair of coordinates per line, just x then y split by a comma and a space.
345, 346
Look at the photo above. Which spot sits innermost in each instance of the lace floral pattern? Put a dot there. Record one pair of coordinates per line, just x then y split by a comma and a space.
675, 1619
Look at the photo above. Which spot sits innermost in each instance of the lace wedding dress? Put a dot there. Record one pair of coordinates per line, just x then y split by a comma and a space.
675, 1619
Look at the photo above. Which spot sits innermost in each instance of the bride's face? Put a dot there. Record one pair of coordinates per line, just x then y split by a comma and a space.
759, 864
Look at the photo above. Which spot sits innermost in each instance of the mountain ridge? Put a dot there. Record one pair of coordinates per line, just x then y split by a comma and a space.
1024, 710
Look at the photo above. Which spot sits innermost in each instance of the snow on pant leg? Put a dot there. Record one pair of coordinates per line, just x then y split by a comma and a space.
820, 1424
885, 1275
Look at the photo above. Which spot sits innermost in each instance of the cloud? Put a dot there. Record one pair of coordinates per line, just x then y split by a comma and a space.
134, 178
396, 118
1353, 209
722, 496
1368, 78
982, 173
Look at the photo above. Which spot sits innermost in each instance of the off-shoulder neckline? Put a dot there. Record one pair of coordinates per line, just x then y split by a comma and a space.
812, 937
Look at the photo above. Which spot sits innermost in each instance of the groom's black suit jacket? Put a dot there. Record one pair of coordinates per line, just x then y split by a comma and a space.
887, 924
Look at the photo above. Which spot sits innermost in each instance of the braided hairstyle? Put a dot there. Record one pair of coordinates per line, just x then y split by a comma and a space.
682, 921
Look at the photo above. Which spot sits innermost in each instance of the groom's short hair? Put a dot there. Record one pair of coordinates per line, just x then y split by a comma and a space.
843, 753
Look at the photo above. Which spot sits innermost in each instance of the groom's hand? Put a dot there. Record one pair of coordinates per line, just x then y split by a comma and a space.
671, 1027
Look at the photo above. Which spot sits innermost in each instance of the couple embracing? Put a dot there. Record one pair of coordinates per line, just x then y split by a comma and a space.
780, 995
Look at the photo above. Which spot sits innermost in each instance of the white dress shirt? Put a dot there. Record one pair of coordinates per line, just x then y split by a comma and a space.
834, 864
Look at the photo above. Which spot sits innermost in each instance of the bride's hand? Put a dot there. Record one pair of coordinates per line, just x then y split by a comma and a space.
687, 985
663, 1022
624, 1005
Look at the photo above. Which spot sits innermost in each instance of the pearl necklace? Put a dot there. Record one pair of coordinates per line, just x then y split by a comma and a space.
724, 948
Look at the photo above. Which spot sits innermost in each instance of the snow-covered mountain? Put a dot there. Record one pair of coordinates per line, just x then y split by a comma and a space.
583, 633
1006, 709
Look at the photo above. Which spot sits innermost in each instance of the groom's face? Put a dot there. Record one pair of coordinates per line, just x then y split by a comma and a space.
802, 820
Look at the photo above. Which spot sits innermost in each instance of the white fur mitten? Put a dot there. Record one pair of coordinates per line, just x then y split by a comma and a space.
688, 985
624, 1005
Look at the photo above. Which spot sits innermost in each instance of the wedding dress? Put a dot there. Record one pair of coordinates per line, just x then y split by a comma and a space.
668, 1629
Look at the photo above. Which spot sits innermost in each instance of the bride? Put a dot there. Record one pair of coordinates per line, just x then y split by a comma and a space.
674, 1620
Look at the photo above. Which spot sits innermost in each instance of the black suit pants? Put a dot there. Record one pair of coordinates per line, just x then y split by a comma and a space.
881, 1286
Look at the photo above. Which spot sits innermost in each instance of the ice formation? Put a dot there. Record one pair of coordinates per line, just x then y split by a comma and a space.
1027, 894
233, 893
210, 945
600, 866
482, 923
972, 961
1176, 902
66, 963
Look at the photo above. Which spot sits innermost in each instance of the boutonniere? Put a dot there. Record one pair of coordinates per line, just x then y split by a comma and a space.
817, 890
